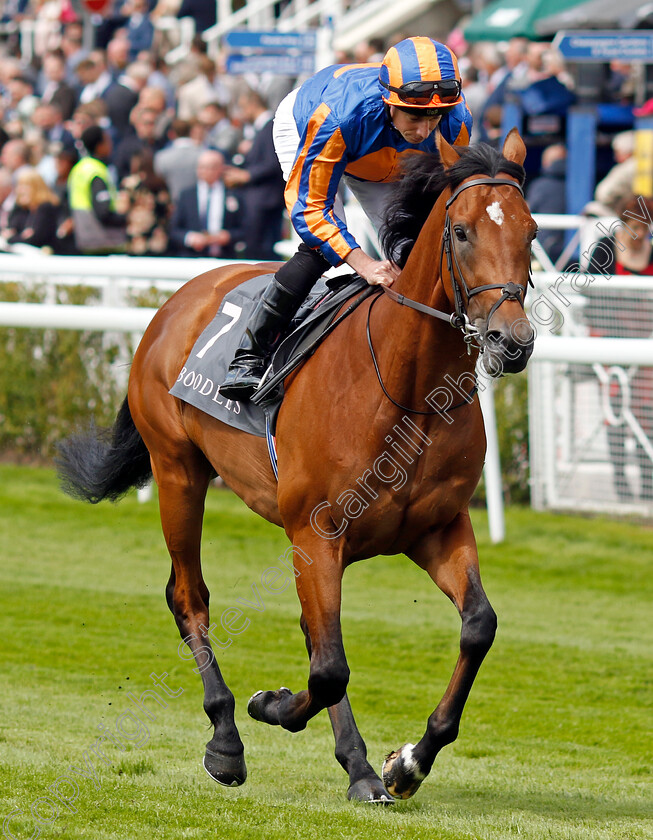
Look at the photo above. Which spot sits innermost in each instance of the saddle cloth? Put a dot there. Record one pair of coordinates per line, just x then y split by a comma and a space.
206, 366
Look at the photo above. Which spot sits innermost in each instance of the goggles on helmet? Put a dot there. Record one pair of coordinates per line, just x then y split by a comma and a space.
421, 93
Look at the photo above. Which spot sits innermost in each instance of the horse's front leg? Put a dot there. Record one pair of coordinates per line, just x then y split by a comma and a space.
451, 559
351, 752
318, 563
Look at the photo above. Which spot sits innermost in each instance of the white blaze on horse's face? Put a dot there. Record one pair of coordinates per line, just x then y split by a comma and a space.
495, 212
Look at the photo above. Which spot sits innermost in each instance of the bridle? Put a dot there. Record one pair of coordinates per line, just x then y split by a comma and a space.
458, 318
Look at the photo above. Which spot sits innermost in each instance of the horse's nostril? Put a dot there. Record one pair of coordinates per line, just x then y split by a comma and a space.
498, 341
495, 339
504, 354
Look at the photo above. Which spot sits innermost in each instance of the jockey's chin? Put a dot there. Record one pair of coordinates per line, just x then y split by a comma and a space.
413, 127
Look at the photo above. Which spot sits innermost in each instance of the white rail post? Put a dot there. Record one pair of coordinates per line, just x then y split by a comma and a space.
492, 468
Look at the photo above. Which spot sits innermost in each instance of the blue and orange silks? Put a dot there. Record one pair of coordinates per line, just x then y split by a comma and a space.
345, 129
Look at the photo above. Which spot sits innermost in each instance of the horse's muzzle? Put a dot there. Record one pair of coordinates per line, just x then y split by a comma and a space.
507, 351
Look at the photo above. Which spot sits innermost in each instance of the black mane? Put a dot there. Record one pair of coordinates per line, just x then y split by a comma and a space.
422, 182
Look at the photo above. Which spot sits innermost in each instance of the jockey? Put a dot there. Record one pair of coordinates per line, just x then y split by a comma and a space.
353, 123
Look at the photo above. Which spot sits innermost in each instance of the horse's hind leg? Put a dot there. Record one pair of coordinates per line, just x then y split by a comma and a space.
451, 559
351, 752
183, 479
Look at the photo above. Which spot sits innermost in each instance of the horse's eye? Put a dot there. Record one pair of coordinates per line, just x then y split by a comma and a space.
461, 236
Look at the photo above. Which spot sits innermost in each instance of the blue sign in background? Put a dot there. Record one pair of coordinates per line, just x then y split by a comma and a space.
270, 41
594, 45
282, 65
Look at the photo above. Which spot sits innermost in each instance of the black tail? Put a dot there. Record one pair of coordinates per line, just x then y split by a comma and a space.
99, 464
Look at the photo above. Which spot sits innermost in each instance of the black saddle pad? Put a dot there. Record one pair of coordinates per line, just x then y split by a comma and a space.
206, 366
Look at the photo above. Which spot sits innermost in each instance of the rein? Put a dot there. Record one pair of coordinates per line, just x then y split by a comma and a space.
420, 308
459, 318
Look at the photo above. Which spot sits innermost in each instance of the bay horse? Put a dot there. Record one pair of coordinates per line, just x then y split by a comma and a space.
457, 220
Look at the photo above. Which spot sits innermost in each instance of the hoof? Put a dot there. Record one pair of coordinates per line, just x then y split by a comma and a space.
401, 773
227, 770
370, 791
264, 705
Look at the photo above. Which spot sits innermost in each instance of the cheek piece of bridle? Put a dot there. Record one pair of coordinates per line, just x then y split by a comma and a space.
458, 318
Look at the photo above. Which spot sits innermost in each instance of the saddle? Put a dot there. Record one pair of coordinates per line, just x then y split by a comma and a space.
206, 366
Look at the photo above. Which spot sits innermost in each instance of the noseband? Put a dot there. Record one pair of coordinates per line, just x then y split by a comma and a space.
459, 318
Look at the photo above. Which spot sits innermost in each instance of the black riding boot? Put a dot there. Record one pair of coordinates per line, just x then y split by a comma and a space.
265, 327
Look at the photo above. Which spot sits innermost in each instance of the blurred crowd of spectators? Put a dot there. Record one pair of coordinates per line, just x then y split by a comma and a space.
107, 148
533, 76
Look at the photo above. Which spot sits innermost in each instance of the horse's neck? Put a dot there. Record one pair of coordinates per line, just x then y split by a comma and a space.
419, 351
420, 278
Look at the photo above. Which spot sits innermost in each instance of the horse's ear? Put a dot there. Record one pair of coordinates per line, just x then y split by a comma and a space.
448, 155
514, 148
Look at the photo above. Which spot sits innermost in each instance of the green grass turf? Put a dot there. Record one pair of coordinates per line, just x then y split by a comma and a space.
555, 740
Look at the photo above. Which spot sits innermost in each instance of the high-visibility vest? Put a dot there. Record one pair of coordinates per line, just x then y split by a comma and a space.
80, 179
91, 236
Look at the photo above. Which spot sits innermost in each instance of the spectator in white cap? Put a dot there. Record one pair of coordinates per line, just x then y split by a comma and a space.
617, 185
